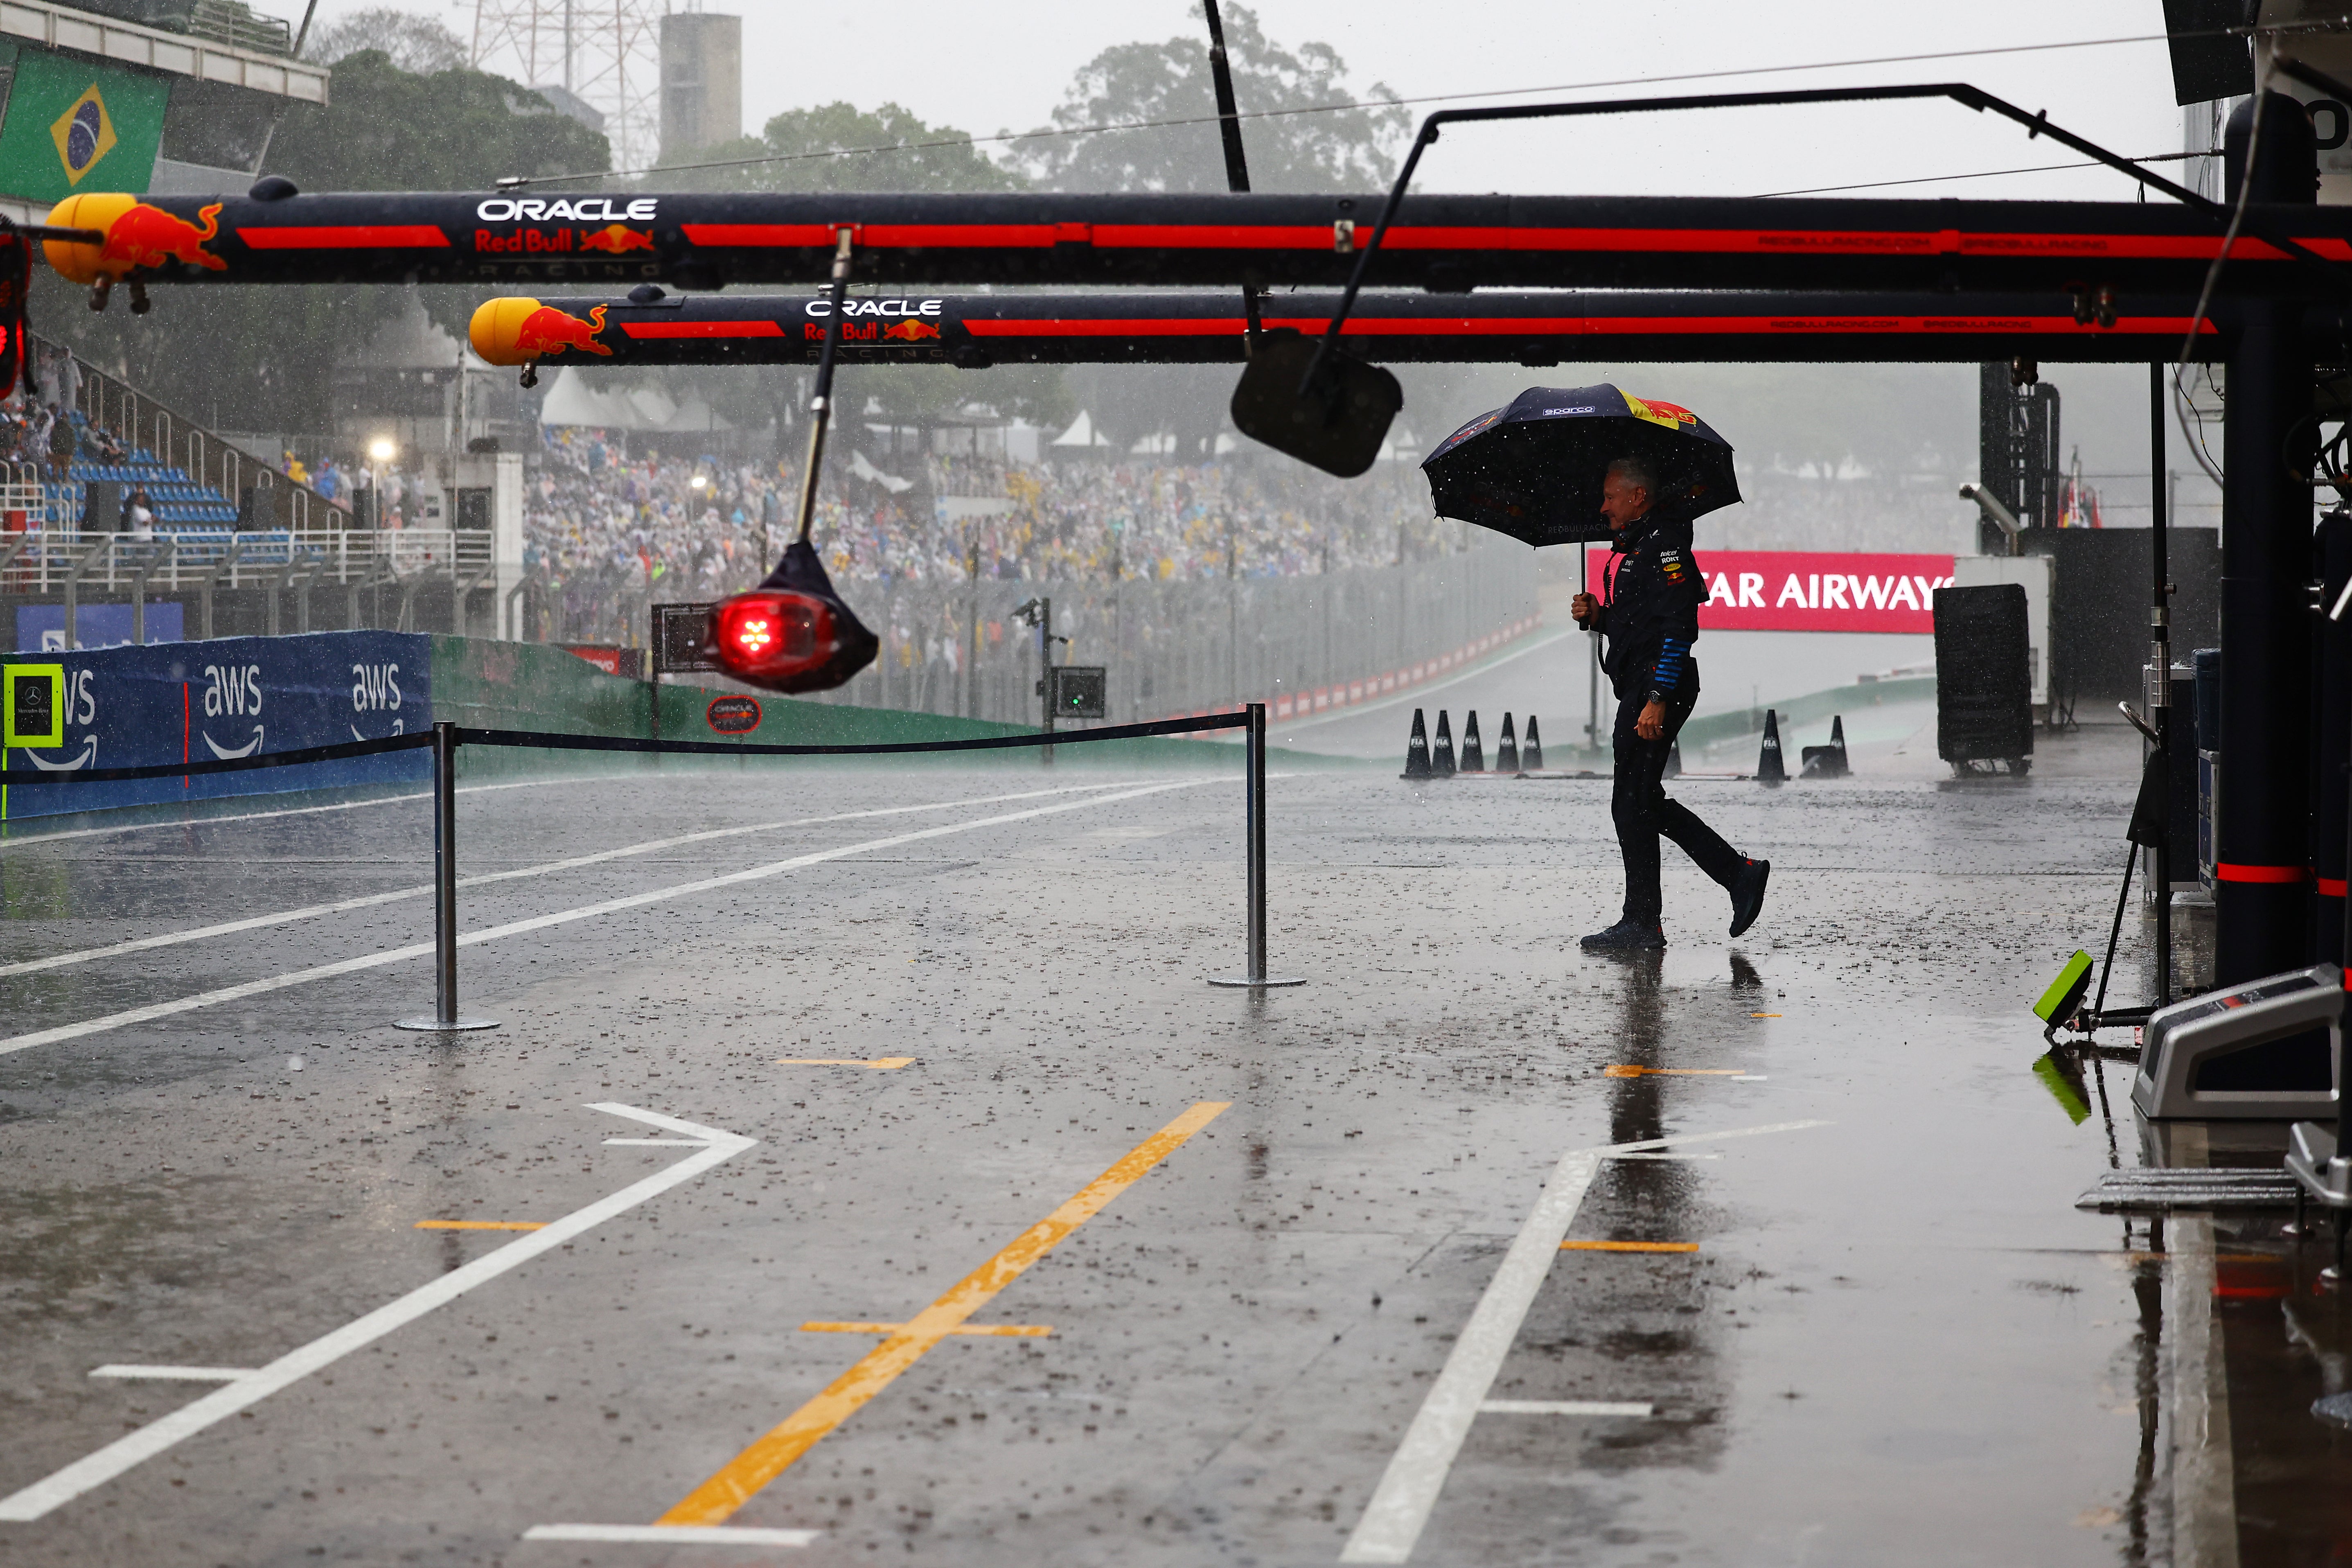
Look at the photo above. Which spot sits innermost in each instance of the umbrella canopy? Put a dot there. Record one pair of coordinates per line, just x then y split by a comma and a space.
1534, 469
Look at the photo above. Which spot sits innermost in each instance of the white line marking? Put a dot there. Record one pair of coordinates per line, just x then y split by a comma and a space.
10, 839
675, 1535
251, 1388
1562, 1407
1401, 1505
155, 1010
180, 1373
369, 901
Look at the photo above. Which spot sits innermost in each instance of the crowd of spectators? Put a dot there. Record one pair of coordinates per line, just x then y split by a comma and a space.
597, 516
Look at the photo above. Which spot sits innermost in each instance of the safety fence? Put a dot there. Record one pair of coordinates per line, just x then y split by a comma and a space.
1191, 646
444, 739
379, 573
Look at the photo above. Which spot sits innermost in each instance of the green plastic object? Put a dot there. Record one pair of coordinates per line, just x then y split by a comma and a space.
2064, 992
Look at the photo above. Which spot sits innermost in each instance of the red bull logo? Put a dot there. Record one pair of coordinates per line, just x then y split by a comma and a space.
548, 331
615, 238
1656, 413
912, 331
147, 236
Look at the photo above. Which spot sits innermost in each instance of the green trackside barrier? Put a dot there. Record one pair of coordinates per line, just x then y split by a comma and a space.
529, 686
1714, 727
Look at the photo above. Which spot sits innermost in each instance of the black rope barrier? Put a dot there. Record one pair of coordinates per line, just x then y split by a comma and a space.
550, 740
470, 737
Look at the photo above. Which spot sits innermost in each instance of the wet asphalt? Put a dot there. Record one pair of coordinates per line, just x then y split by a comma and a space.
1893, 1336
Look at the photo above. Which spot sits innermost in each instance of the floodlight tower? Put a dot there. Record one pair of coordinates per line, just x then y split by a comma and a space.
604, 54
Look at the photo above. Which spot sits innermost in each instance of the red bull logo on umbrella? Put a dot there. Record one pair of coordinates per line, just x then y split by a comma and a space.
1666, 414
911, 330
548, 331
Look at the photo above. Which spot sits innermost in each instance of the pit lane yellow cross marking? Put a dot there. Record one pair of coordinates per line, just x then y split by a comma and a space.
740, 1479
1016, 1331
1629, 1247
1674, 1072
881, 1064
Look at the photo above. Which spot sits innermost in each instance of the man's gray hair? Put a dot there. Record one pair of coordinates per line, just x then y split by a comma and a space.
1637, 472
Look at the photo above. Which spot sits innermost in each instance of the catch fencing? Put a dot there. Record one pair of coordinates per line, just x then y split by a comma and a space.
1185, 646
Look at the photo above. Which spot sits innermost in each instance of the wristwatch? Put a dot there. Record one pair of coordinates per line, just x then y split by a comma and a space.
1657, 697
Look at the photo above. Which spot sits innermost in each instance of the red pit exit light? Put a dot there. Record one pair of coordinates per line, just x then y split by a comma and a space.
792, 633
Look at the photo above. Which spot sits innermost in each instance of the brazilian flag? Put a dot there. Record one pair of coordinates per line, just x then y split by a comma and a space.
76, 125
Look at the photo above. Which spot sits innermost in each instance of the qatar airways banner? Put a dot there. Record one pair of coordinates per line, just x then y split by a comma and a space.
1814, 591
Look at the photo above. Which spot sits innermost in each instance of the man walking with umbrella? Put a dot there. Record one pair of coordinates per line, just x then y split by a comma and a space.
1648, 624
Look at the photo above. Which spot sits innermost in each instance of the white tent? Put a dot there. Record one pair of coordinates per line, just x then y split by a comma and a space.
573, 399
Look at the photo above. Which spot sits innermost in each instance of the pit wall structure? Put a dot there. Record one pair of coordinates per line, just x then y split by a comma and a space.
192, 702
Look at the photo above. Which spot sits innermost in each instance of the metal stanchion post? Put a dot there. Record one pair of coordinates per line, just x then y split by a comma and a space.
1254, 770
445, 892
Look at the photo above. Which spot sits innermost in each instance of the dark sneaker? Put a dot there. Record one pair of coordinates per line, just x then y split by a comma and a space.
1626, 936
1748, 894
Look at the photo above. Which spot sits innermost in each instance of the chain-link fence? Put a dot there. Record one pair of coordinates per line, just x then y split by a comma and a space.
1182, 646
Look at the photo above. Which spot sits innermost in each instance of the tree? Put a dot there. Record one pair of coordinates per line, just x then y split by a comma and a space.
414, 43
1340, 150
270, 354
819, 150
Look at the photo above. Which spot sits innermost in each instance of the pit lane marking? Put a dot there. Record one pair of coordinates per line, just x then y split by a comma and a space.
1629, 1247
1408, 1489
742, 1477
561, 917
251, 1388
10, 839
880, 1064
545, 868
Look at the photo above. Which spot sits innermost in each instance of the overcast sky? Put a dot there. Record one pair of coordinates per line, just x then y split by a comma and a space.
1004, 66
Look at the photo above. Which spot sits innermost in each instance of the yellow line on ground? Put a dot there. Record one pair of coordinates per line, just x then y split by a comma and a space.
740, 1479
1763, 1015
1674, 1072
1629, 1247
480, 1225
885, 1064
1017, 1331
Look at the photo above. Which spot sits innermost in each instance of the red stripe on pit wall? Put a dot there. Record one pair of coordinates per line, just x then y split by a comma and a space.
2330, 887
1319, 236
703, 328
2227, 872
354, 235
1588, 326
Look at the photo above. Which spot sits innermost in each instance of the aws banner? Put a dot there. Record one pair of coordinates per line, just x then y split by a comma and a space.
231, 697
1815, 590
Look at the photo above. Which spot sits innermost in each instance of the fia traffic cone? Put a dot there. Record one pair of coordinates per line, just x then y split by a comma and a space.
1473, 758
1769, 769
1827, 762
1506, 750
1416, 750
1440, 759
1531, 755
1674, 760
